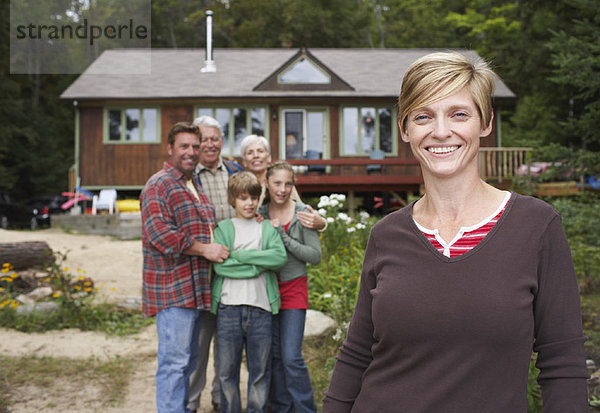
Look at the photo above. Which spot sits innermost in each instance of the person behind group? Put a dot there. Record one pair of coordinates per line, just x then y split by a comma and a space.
459, 287
245, 294
291, 389
213, 172
177, 222
256, 157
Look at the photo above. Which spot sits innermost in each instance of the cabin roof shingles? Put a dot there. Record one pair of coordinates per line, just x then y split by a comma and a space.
175, 73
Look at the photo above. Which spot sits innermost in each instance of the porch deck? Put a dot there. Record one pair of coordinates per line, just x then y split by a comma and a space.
395, 175
351, 174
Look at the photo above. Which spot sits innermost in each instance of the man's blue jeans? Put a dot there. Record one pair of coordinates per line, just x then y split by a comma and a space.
198, 377
291, 390
177, 330
239, 325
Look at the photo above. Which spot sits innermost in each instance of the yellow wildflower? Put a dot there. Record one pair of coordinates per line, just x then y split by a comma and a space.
7, 279
87, 283
14, 275
66, 269
14, 304
78, 269
6, 265
1, 289
5, 303
4, 269
81, 277
77, 287
87, 290
56, 294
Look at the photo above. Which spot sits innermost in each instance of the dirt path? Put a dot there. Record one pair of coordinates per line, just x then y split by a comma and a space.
116, 268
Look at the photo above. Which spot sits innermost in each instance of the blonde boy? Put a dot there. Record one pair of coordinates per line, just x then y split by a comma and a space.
244, 296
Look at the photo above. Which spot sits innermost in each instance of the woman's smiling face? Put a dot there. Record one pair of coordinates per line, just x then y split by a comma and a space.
279, 185
444, 135
256, 158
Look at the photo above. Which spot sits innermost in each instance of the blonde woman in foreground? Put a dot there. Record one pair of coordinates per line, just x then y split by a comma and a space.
460, 287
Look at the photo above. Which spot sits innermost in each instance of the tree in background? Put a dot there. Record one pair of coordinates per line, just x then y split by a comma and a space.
36, 138
576, 58
176, 23
546, 52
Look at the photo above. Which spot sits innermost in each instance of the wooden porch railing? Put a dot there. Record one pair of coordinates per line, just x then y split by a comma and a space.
350, 174
496, 164
345, 174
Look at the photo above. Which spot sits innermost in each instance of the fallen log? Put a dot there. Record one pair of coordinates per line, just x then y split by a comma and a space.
28, 254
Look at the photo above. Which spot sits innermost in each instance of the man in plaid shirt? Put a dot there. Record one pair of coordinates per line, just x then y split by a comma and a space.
177, 223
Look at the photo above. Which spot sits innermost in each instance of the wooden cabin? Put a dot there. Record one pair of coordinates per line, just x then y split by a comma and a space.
331, 112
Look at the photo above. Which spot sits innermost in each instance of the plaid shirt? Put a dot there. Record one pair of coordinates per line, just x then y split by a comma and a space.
215, 187
172, 218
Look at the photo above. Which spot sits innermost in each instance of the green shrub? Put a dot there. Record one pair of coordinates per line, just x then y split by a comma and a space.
586, 260
534, 391
580, 217
333, 284
581, 222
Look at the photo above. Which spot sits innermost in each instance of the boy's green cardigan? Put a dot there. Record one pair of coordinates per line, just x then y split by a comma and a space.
249, 263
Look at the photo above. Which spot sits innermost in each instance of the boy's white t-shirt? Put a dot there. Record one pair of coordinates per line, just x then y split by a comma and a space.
246, 291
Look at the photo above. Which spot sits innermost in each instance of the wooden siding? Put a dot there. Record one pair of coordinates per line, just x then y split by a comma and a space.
273, 128
130, 165
121, 165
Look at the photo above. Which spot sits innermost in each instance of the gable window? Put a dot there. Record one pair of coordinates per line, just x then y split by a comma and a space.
365, 129
304, 71
237, 123
131, 125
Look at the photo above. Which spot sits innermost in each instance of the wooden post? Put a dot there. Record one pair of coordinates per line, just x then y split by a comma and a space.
351, 202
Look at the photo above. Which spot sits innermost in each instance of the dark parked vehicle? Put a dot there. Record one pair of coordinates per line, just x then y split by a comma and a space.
15, 215
46, 206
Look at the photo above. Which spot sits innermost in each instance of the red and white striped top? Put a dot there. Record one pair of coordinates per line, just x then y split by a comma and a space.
467, 238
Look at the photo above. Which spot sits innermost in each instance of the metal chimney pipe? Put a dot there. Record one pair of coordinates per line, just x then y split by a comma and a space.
209, 63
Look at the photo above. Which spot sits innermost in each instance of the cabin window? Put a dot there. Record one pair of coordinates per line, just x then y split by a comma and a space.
236, 124
304, 71
365, 129
304, 133
131, 125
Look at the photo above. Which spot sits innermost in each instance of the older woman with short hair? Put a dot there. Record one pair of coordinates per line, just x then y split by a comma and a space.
459, 287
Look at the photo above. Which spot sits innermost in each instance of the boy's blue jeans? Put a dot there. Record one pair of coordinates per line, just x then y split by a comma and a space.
177, 330
240, 326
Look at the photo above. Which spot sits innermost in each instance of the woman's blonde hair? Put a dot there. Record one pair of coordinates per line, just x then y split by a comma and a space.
436, 76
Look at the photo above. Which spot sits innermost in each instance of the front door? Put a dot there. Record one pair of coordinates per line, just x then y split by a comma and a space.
304, 134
